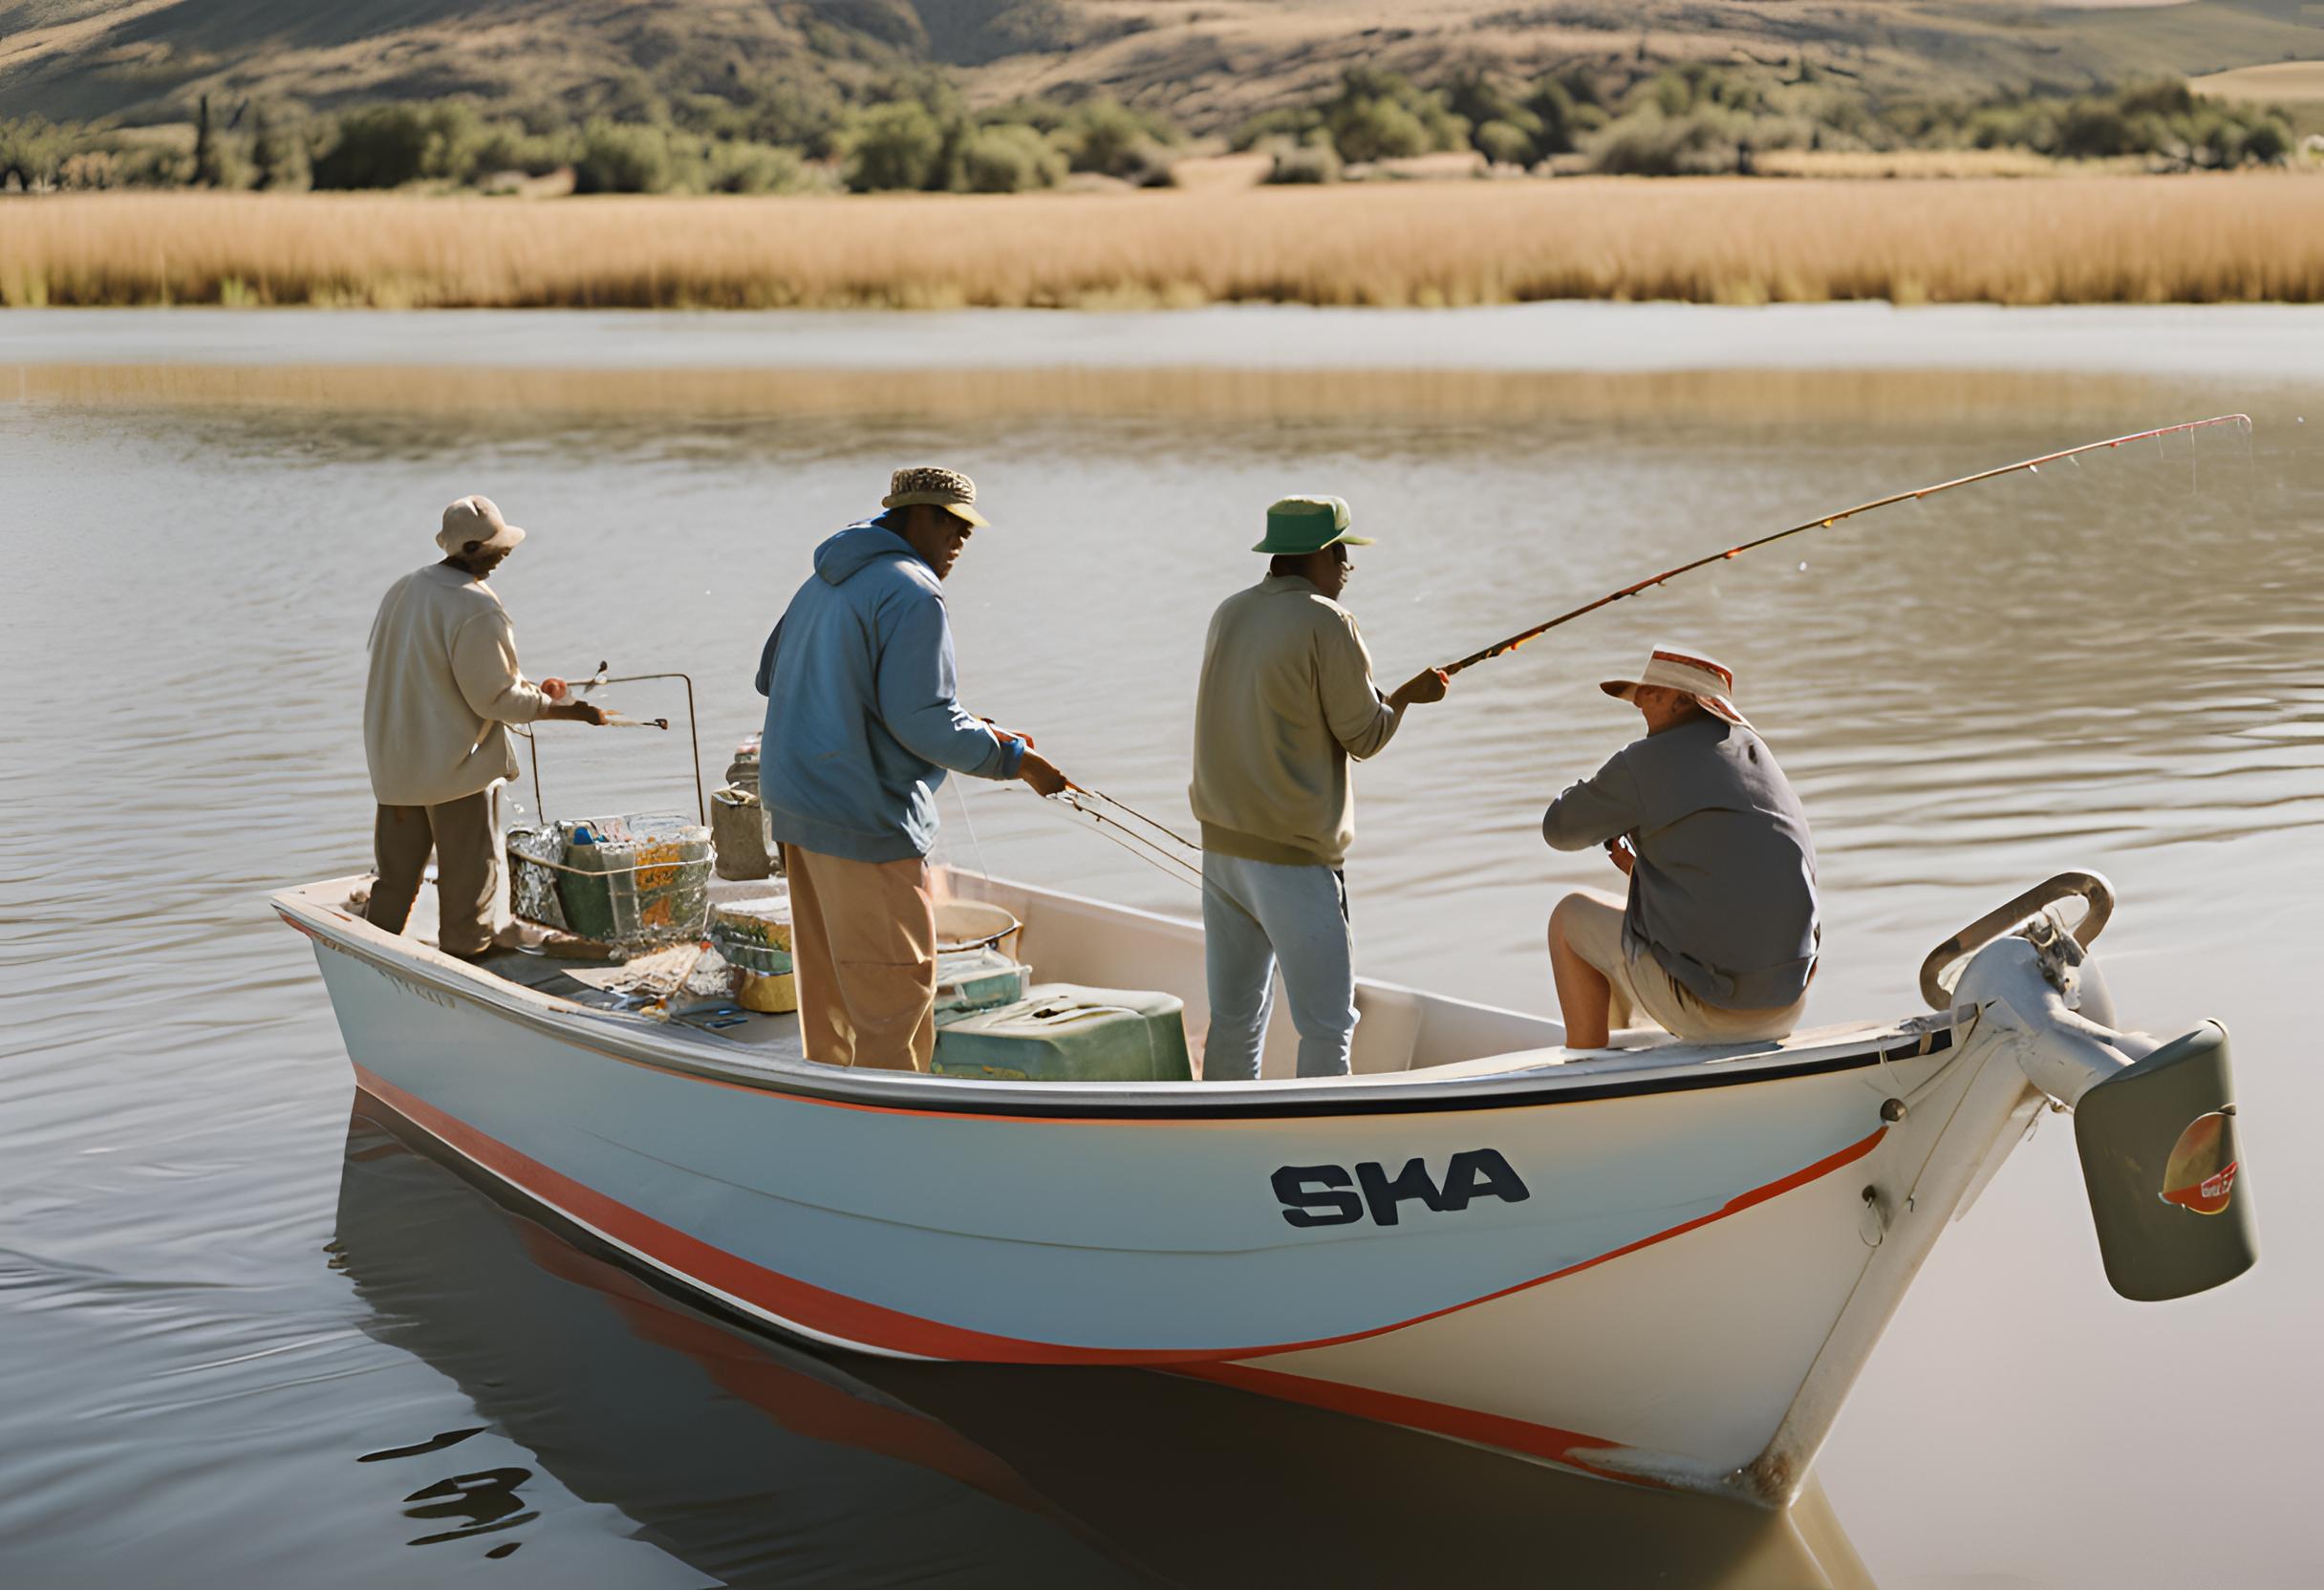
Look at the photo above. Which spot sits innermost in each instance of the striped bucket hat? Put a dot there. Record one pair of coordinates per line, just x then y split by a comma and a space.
1706, 679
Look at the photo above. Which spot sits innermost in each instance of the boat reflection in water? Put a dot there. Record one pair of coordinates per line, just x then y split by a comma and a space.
754, 1462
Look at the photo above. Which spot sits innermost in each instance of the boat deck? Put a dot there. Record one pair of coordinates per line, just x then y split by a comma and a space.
774, 1036
1407, 1036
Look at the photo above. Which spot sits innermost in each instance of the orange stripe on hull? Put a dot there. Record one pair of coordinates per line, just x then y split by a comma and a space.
854, 1322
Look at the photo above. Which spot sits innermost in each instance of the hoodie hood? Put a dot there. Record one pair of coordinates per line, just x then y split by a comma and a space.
856, 547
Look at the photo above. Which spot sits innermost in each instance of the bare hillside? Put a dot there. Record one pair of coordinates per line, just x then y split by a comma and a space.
1212, 62
146, 59
1209, 62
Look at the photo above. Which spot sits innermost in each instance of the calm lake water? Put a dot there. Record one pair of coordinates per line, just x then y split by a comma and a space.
250, 1341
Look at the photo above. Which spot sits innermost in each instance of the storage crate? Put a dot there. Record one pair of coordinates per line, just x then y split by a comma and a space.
971, 981
627, 881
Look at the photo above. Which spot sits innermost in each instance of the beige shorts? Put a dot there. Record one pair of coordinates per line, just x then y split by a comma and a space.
1642, 988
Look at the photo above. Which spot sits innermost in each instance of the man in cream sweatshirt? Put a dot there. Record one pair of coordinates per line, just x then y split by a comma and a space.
1287, 699
444, 687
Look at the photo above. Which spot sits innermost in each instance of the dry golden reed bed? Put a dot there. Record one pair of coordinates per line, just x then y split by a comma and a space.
2052, 241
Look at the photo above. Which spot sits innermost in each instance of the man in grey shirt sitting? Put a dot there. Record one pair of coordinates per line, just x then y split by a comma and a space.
1718, 941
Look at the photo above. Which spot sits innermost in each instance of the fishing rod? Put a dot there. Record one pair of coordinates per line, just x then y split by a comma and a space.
1074, 797
1826, 522
1157, 857
1155, 854
1160, 828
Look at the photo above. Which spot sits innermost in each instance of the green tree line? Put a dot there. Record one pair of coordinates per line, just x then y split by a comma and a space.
775, 134
1702, 117
919, 136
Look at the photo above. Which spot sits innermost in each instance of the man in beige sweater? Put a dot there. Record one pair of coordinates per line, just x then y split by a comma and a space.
1287, 699
444, 687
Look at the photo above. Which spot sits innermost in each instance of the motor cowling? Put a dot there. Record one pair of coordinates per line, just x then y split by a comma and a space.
2154, 1123
2163, 1164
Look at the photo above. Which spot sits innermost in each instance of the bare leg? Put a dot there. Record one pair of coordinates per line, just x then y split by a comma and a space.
1584, 993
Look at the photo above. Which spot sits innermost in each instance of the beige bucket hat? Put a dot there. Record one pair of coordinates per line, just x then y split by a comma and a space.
477, 519
1706, 679
944, 489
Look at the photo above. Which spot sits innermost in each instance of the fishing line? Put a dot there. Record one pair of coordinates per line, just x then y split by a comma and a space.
1155, 824
1127, 838
960, 793
1136, 843
1827, 521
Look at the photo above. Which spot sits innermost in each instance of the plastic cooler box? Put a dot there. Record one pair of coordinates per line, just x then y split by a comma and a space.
1065, 1033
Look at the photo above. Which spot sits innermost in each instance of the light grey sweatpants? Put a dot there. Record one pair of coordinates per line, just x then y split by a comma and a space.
1254, 913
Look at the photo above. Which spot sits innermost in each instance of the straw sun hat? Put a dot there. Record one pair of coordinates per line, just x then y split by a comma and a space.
945, 488
477, 519
1706, 679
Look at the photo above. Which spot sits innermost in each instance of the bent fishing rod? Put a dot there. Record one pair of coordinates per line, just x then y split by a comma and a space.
1825, 522
1158, 845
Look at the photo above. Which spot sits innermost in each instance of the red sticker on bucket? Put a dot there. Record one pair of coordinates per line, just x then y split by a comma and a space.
2200, 1176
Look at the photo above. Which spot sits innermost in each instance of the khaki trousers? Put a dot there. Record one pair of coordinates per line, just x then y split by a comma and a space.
863, 945
467, 869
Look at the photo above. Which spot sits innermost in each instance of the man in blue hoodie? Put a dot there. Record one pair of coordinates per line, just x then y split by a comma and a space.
863, 721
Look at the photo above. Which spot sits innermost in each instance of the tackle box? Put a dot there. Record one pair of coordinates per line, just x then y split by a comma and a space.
981, 978
1061, 1032
762, 921
764, 979
754, 935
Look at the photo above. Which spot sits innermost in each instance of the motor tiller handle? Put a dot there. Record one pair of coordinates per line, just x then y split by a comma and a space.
2092, 887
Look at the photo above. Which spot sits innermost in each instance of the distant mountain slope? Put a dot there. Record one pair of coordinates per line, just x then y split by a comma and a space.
1209, 62
147, 58
1215, 61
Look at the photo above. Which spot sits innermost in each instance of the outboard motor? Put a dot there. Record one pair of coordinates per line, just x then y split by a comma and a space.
2154, 1122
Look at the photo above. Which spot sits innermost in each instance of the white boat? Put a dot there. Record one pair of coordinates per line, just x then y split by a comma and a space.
1662, 1263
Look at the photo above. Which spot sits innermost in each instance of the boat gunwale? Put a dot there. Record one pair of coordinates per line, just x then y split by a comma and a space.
914, 1093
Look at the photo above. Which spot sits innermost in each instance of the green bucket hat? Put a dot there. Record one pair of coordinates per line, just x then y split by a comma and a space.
1297, 525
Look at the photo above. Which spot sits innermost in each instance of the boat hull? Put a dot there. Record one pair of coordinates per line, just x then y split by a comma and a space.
1636, 1283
